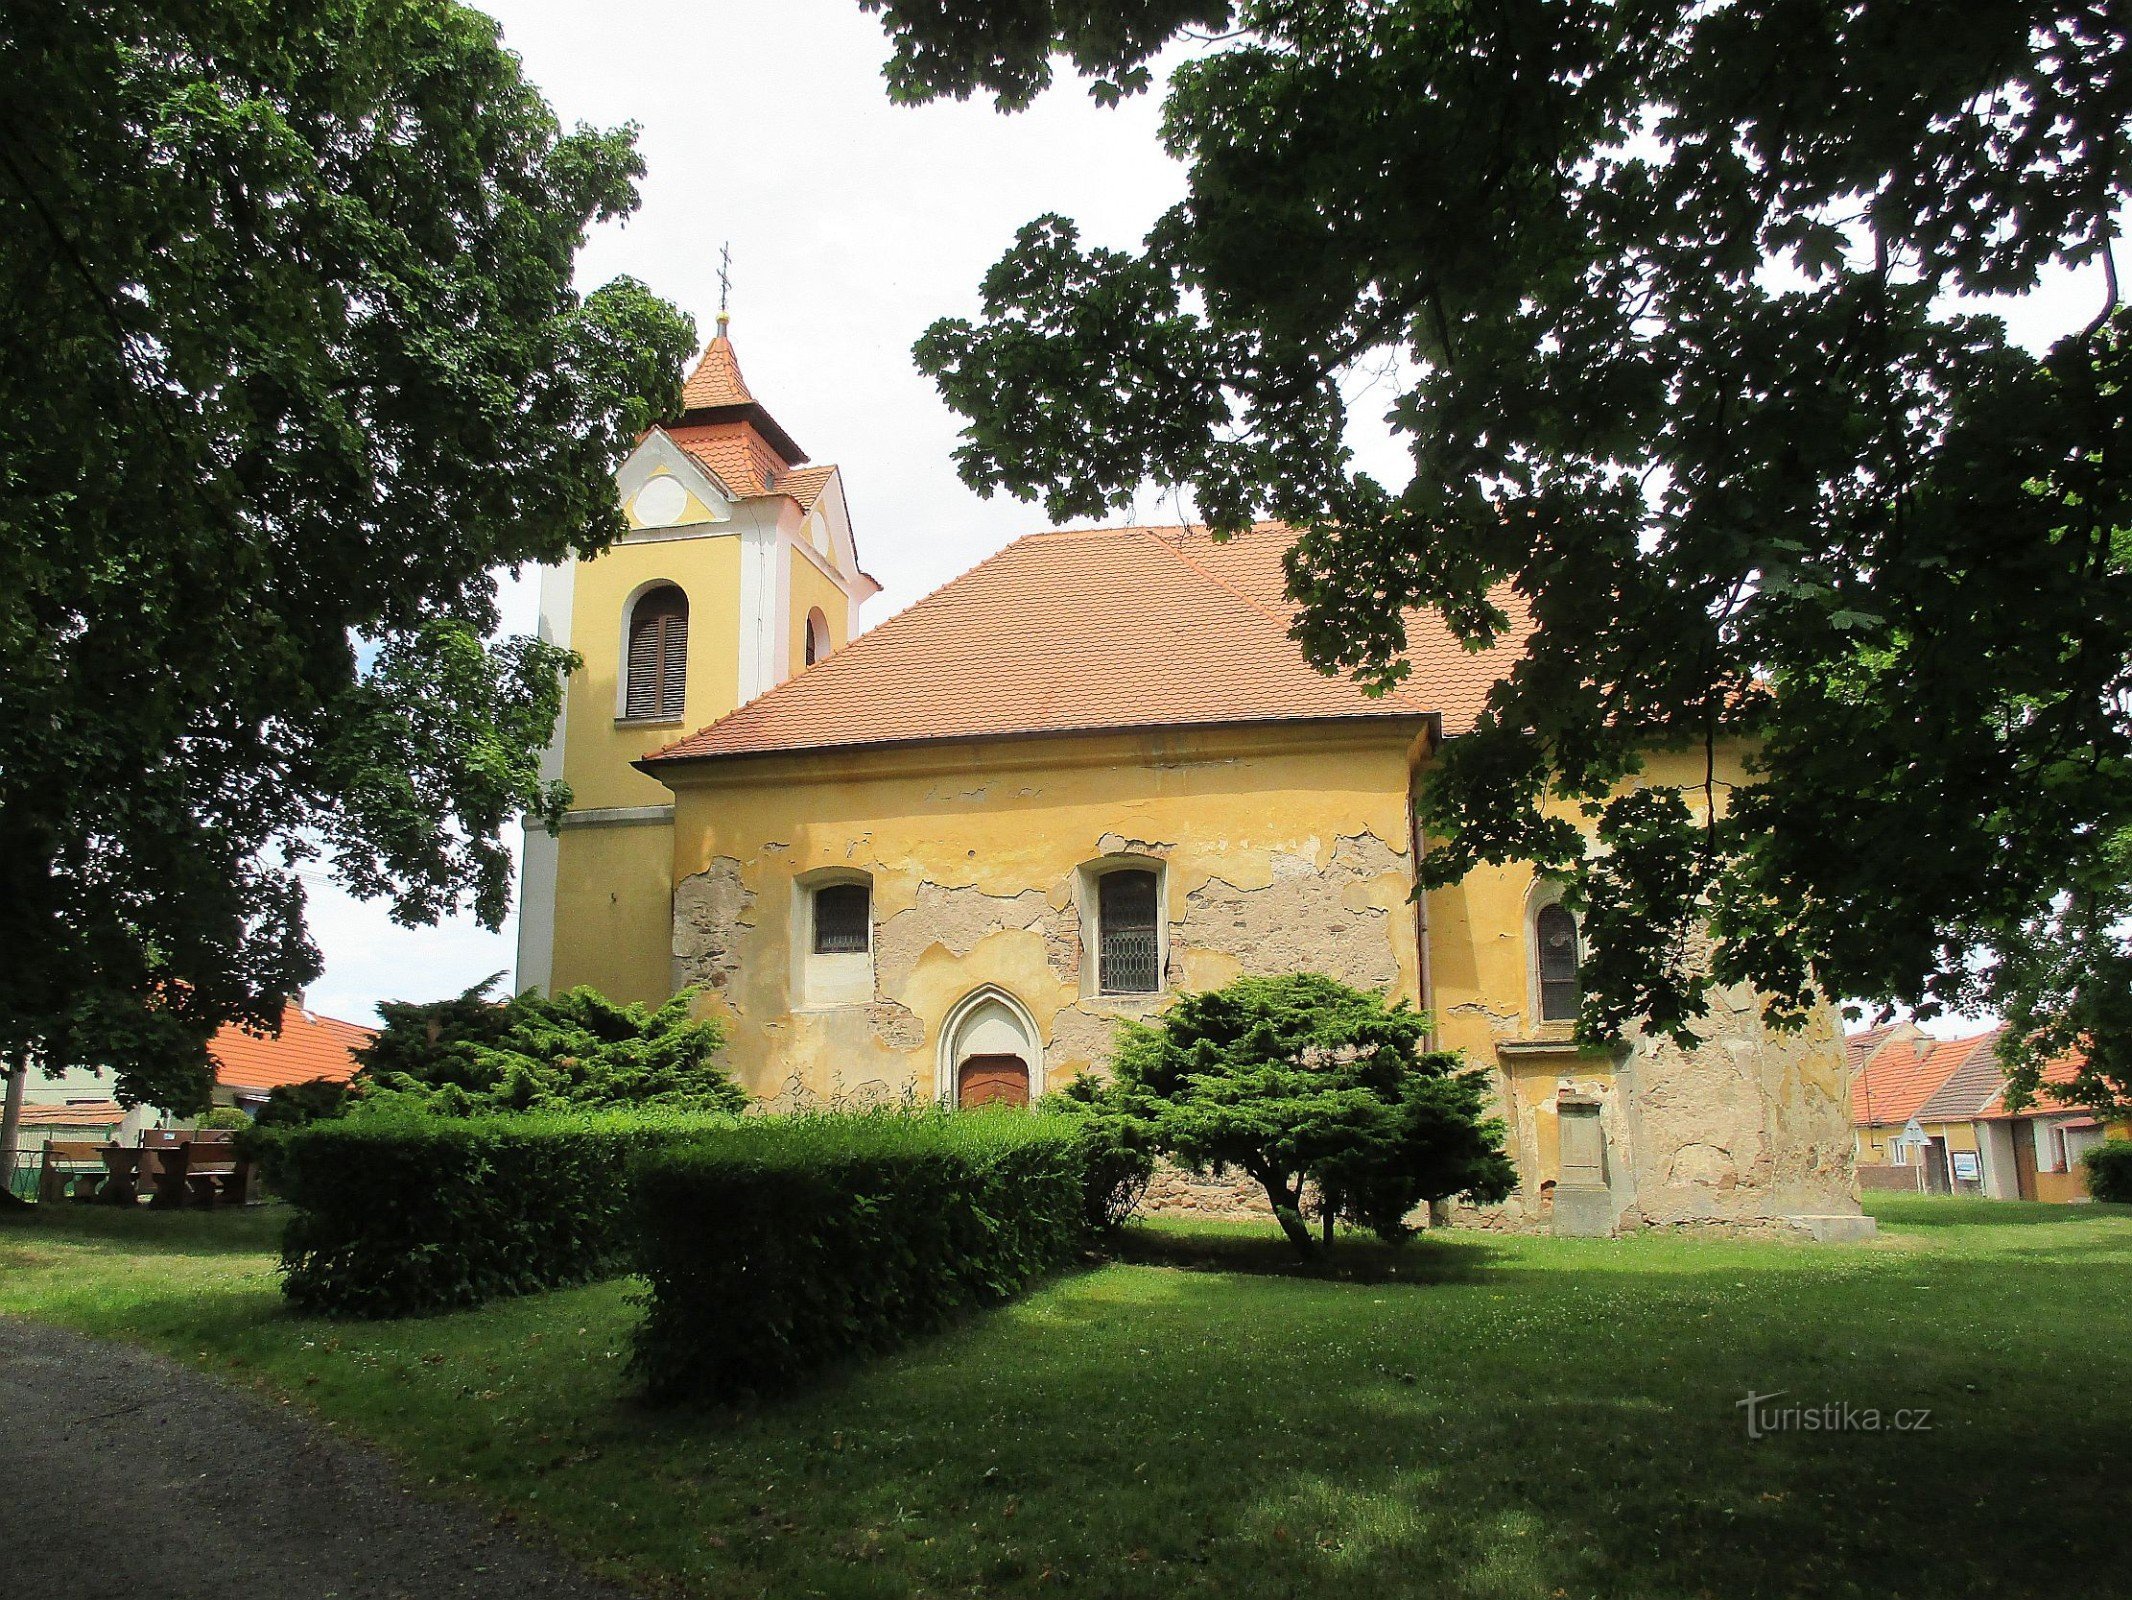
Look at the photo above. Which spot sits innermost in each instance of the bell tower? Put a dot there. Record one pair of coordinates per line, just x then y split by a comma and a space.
737, 568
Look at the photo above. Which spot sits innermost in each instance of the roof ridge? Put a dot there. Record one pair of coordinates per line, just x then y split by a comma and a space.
1283, 623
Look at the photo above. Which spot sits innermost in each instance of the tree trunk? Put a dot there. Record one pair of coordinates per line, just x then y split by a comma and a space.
1288, 1212
18, 1078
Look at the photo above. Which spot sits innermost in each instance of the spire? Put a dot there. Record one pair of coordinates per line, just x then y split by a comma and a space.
715, 394
716, 383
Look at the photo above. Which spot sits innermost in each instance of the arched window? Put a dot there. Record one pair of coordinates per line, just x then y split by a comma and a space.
843, 919
817, 636
1555, 933
658, 655
1128, 951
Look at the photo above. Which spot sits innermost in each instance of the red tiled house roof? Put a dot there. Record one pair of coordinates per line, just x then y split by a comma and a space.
1113, 628
309, 1046
1901, 1076
91, 1114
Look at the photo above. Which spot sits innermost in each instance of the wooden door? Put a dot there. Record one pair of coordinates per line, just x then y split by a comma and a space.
993, 1080
2024, 1159
1939, 1176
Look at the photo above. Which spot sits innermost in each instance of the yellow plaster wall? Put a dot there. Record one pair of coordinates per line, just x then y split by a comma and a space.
597, 747
613, 910
974, 852
811, 588
1692, 1136
613, 892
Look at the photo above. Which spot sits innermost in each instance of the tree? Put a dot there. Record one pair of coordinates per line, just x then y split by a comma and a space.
575, 1051
1323, 1095
290, 362
1666, 301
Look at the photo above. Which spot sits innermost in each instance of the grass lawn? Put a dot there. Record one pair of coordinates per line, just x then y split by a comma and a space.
1478, 1417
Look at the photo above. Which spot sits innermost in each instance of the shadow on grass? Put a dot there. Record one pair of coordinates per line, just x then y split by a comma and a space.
1264, 1252
183, 1233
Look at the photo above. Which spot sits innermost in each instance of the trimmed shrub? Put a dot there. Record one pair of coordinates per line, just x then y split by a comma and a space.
403, 1214
786, 1245
2109, 1167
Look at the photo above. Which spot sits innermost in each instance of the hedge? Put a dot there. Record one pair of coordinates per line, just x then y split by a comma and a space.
786, 1245
2109, 1167
401, 1214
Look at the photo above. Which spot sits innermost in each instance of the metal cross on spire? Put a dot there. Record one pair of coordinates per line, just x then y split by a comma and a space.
725, 277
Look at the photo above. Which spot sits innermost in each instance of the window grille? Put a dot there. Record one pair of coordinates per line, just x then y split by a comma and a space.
1561, 995
658, 655
1128, 957
843, 919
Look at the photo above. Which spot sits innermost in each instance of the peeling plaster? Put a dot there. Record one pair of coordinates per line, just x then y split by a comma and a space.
1335, 920
712, 911
954, 920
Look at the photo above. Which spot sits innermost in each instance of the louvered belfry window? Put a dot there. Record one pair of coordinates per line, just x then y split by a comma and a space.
1128, 958
658, 655
1561, 996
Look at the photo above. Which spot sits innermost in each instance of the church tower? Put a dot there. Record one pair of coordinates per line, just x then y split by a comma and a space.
737, 570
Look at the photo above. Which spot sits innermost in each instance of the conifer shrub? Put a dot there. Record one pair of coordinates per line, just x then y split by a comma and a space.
2109, 1167
574, 1051
791, 1243
1324, 1095
399, 1213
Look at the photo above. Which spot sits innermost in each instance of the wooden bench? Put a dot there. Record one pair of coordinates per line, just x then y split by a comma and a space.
75, 1167
202, 1173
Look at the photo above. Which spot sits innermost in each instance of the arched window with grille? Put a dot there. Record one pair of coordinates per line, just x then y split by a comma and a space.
1554, 933
817, 636
658, 655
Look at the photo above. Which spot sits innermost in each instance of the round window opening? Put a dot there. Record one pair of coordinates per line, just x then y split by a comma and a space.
660, 503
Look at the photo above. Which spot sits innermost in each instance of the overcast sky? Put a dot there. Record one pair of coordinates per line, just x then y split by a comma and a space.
853, 224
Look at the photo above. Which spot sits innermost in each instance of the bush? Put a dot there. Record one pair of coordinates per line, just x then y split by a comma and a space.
789, 1244
574, 1051
221, 1119
291, 1105
1320, 1093
2109, 1167
398, 1214
1117, 1152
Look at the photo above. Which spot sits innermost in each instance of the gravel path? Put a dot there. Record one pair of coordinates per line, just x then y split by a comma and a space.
123, 1475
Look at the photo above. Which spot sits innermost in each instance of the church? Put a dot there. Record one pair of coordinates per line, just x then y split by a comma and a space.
938, 860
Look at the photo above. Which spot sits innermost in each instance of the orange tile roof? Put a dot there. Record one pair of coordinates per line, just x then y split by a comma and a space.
309, 1046
1894, 1081
1977, 1076
716, 380
95, 1114
805, 484
1088, 630
734, 452
2044, 1103
1859, 1047
716, 392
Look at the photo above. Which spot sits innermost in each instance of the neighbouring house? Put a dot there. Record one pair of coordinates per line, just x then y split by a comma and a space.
310, 1046
80, 1121
77, 1105
1931, 1118
941, 859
